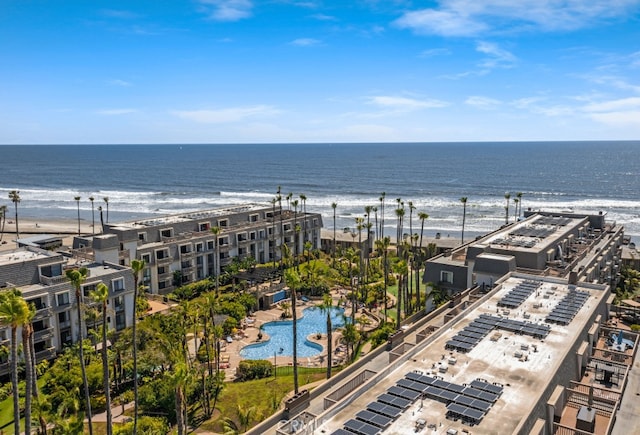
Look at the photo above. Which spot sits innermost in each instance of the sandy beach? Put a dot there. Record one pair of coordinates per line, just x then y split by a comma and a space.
31, 226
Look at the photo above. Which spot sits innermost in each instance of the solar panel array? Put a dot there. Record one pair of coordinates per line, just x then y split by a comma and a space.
519, 294
535, 231
472, 334
564, 312
511, 241
472, 402
554, 220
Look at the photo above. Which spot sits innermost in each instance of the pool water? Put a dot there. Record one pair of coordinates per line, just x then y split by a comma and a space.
280, 333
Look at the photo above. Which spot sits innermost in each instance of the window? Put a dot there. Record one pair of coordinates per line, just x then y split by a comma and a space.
162, 270
146, 258
51, 270
120, 321
223, 241
167, 232
242, 237
287, 227
211, 245
63, 317
446, 276
252, 235
204, 226
62, 299
87, 289
253, 218
223, 223
185, 249
162, 253
118, 302
162, 285
142, 236
270, 231
65, 337
117, 284
261, 234
199, 247
186, 264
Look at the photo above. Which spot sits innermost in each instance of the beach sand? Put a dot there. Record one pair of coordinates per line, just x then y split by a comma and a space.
66, 228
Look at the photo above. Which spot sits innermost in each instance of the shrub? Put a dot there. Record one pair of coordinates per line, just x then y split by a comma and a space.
254, 369
146, 425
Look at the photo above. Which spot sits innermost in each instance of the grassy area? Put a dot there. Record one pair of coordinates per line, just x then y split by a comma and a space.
6, 416
264, 395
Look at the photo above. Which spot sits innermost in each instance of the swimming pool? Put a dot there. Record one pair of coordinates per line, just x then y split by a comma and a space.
313, 320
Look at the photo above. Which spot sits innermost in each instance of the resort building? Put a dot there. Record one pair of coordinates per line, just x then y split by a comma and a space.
584, 246
40, 277
179, 249
529, 344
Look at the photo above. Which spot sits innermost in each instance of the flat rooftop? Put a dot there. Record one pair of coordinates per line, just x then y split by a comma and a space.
533, 234
190, 216
523, 364
21, 255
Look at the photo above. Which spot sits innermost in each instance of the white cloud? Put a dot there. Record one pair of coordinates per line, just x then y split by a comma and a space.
471, 17
228, 115
482, 102
497, 57
324, 17
305, 42
404, 104
118, 82
615, 105
435, 52
226, 10
116, 112
440, 22
618, 119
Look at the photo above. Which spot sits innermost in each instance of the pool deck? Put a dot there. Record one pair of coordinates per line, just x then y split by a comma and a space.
230, 355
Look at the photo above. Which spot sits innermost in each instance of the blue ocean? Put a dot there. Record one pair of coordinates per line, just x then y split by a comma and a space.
146, 180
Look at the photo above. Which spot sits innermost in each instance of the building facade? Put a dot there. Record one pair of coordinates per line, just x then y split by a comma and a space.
179, 249
40, 277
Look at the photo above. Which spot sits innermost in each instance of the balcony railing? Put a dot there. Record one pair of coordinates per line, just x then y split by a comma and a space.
164, 260
52, 280
43, 334
43, 313
47, 353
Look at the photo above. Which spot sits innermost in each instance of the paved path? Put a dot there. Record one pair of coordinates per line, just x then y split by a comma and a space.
117, 414
629, 413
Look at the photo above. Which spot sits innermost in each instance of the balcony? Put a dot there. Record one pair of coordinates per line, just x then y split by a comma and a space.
48, 353
52, 280
123, 254
187, 255
43, 334
43, 313
164, 260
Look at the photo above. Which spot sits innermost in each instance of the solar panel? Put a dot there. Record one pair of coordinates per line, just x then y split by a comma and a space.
383, 409
403, 392
341, 432
373, 418
362, 428
399, 402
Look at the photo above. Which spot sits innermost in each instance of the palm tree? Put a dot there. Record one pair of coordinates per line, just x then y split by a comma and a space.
216, 232
375, 213
93, 217
303, 198
293, 281
399, 222
516, 214
101, 296
27, 332
136, 268
76, 277
101, 219
294, 204
507, 196
333, 206
463, 200
3, 220
14, 196
12, 312
382, 245
106, 201
272, 243
382, 197
77, 199
327, 304
519, 196
401, 270
423, 217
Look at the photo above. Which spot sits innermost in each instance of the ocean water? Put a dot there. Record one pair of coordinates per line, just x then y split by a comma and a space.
146, 180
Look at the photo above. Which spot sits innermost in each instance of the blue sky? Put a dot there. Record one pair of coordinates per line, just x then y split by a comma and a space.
235, 71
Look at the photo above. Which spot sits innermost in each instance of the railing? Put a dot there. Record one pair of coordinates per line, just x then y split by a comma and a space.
43, 333
164, 260
123, 254
47, 353
52, 280
42, 313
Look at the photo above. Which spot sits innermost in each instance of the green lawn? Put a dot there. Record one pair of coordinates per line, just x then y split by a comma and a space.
6, 416
263, 394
